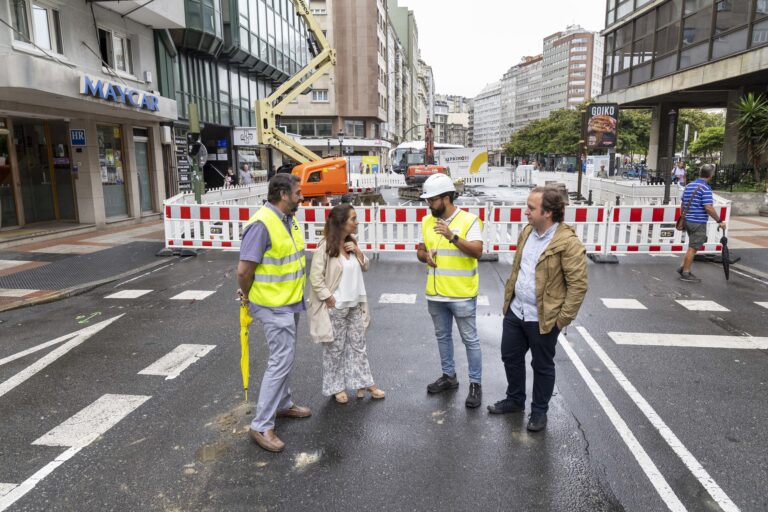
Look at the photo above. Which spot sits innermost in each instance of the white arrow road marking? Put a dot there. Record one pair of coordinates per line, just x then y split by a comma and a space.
397, 298
763, 304
6, 488
689, 340
693, 465
701, 305
176, 361
76, 433
623, 304
77, 338
641, 456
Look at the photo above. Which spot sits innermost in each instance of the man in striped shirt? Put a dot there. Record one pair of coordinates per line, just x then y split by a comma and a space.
699, 195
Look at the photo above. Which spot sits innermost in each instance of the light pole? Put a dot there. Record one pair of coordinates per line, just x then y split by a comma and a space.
671, 153
341, 154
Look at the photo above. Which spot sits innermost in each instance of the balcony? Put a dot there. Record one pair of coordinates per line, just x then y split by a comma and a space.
158, 14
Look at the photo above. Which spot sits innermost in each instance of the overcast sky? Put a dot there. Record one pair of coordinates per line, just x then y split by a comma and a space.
472, 43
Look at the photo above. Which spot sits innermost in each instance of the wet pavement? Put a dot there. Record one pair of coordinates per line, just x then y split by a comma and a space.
186, 447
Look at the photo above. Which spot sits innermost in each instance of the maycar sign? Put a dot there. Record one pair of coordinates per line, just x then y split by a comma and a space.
124, 95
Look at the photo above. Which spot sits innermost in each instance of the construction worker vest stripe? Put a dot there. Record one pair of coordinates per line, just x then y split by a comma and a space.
280, 277
456, 274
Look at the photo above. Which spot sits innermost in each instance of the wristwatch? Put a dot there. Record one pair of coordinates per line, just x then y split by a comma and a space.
454, 239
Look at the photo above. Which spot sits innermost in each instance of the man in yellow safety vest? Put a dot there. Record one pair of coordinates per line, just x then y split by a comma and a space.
452, 243
271, 277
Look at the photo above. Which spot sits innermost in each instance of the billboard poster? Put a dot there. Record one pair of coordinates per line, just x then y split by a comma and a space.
463, 162
370, 164
602, 121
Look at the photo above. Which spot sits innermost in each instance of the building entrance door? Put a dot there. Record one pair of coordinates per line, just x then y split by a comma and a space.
7, 201
45, 170
35, 175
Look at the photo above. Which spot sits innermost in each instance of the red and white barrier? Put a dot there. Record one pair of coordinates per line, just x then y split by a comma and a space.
651, 229
602, 229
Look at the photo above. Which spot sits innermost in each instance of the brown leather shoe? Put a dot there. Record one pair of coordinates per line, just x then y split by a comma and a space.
296, 411
267, 440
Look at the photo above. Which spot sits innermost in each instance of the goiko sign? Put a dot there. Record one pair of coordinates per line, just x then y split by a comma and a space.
602, 119
108, 91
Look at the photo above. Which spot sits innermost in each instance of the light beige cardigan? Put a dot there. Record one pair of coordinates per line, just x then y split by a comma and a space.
324, 278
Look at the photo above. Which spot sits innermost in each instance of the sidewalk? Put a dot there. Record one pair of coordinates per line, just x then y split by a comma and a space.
43, 271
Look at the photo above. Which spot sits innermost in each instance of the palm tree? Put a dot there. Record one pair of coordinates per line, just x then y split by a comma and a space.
752, 127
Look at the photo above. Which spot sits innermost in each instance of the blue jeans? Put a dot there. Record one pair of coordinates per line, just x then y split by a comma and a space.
443, 314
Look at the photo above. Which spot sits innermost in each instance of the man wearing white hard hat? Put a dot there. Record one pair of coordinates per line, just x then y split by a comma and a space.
451, 245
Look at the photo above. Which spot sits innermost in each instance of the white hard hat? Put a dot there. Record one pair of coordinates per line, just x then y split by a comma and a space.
437, 184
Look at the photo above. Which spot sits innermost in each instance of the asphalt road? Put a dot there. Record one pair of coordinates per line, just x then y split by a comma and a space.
182, 443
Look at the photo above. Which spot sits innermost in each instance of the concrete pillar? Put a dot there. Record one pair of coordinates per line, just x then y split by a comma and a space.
653, 145
131, 173
156, 175
731, 152
88, 190
659, 158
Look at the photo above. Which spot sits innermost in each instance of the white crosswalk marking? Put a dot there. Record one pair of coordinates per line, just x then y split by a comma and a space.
701, 305
763, 304
78, 338
87, 425
176, 361
397, 298
482, 300
689, 340
76, 433
623, 304
6, 488
128, 294
193, 295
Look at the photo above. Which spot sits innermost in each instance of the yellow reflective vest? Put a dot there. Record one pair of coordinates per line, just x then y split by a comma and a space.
280, 277
456, 274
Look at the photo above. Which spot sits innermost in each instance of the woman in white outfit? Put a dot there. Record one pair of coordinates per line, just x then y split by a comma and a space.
338, 308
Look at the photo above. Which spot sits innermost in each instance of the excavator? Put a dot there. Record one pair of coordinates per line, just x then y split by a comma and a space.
323, 180
416, 175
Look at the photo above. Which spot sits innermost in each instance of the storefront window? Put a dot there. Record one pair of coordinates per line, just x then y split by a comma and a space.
111, 164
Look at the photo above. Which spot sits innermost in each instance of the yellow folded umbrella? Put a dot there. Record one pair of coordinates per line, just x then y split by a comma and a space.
245, 322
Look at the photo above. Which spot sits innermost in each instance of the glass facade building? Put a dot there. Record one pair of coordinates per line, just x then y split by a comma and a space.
659, 39
227, 59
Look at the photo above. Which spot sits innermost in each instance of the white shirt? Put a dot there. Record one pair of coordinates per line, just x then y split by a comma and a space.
351, 290
677, 171
474, 234
524, 304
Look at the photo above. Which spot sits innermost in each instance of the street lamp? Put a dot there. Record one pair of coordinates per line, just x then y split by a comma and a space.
671, 152
341, 143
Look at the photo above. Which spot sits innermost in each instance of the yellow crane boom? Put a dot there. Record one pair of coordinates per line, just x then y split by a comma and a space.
269, 108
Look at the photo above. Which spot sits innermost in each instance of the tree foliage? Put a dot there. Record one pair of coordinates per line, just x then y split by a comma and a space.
557, 134
697, 120
634, 132
710, 141
752, 127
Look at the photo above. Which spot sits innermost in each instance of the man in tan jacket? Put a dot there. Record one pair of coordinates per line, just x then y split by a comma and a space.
543, 294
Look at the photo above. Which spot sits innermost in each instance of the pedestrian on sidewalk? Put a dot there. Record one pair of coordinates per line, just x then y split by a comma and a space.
697, 204
451, 244
244, 175
543, 294
678, 173
229, 179
338, 308
271, 278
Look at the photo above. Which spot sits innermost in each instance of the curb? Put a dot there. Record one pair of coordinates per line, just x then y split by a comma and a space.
751, 272
79, 289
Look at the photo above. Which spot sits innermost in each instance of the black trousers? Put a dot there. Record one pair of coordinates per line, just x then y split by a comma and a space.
516, 339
